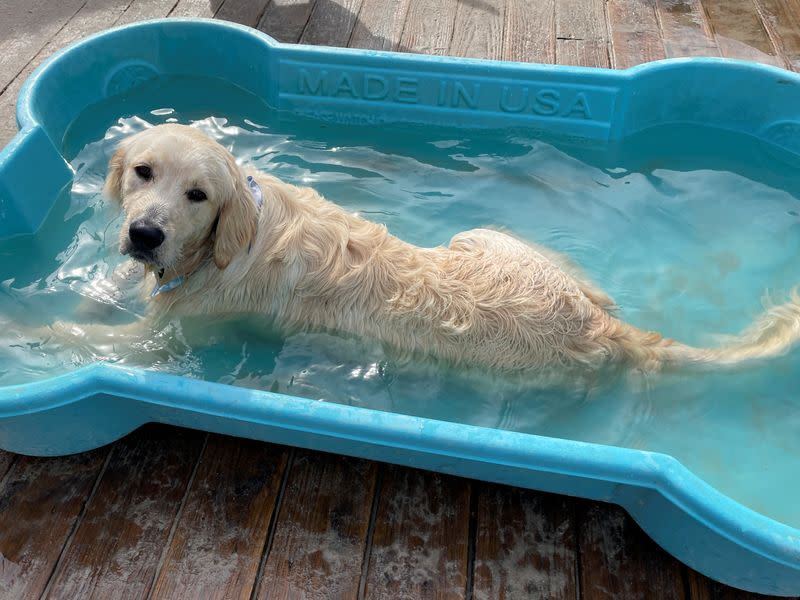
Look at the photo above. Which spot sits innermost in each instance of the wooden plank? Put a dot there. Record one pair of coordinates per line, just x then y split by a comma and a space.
285, 20
581, 33
331, 23
429, 27
94, 16
420, 538
529, 31
618, 561
245, 12
195, 8
635, 34
739, 31
525, 546
117, 545
25, 28
685, 29
40, 501
478, 30
6, 460
141, 10
379, 24
703, 588
220, 534
321, 532
781, 19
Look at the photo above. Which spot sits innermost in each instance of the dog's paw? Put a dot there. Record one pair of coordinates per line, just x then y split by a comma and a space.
60, 333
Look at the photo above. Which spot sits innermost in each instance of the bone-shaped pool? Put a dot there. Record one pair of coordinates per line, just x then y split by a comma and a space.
686, 221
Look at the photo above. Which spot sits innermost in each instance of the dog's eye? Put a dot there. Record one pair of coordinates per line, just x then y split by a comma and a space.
196, 195
144, 172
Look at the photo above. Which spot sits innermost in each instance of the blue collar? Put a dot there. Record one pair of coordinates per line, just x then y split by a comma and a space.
258, 198
255, 190
170, 285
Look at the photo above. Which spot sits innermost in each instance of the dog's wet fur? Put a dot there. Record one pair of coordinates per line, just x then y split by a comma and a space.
487, 300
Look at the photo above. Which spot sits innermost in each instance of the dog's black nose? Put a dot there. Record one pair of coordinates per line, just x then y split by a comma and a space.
145, 236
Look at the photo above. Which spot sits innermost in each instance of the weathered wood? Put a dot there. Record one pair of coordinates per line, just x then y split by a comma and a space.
703, 588
529, 32
245, 12
320, 535
25, 28
635, 34
140, 10
478, 30
739, 31
331, 23
220, 534
420, 538
379, 24
618, 561
781, 19
93, 16
685, 29
285, 20
525, 546
118, 543
195, 8
581, 33
40, 501
429, 27
6, 460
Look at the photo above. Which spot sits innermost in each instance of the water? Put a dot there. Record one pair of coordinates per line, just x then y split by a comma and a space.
685, 228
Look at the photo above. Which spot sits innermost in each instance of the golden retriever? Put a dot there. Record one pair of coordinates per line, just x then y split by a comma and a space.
217, 238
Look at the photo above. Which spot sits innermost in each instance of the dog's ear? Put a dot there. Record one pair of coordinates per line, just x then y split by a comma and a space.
237, 221
116, 168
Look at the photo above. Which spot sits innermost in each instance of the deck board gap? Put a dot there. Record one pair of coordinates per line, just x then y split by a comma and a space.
399, 45
177, 517
262, 13
42, 47
554, 33
174, 6
7, 473
122, 14
610, 55
74, 529
356, 21
772, 35
373, 515
578, 524
308, 20
472, 537
708, 26
453, 27
687, 588
273, 523
660, 24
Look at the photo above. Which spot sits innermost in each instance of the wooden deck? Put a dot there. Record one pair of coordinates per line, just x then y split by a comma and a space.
171, 513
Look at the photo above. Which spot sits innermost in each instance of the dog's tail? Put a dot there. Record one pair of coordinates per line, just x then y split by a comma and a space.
772, 334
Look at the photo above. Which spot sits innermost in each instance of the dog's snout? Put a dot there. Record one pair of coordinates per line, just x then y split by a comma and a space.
145, 236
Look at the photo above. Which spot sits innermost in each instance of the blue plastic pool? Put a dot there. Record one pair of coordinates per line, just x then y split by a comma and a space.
675, 185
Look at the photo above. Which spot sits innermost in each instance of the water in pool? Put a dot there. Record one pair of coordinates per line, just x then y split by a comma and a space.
685, 228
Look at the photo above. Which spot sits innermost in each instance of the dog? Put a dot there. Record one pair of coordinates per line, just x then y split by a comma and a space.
218, 239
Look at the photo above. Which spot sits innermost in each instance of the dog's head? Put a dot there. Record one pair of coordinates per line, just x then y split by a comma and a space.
183, 195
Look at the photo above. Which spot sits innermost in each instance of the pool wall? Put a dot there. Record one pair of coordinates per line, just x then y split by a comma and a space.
100, 403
